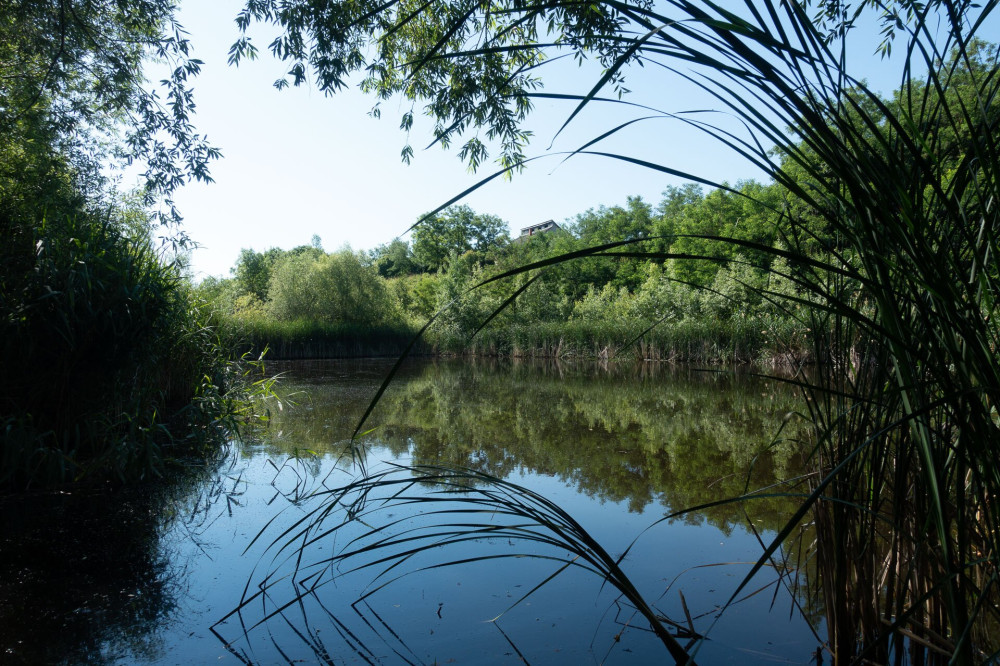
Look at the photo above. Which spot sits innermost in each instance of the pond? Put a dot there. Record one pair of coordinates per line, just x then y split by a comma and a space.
267, 558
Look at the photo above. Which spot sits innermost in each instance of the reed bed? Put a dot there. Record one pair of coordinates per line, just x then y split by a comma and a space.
754, 340
759, 341
890, 233
305, 339
109, 367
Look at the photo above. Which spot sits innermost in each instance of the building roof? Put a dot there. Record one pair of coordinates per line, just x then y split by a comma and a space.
548, 225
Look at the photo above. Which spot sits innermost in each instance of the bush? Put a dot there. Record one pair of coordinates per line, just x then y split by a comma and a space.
333, 289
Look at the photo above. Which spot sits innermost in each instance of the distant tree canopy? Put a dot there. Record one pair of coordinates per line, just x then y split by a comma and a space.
455, 231
682, 267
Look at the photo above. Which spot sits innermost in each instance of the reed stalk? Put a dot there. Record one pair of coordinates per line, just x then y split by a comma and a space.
890, 237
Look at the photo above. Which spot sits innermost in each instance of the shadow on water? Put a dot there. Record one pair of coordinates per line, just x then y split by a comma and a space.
85, 576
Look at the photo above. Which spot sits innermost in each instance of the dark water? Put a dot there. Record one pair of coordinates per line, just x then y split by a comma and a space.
152, 576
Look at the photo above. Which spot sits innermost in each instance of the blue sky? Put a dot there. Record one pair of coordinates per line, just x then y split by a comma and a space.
297, 163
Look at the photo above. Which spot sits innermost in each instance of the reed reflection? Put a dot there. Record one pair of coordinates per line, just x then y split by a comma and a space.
643, 434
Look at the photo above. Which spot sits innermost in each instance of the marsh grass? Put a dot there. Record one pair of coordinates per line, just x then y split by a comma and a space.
901, 282
310, 339
760, 340
740, 340
110, 369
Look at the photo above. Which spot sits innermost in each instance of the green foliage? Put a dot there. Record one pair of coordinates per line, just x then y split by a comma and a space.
611, 299
606, 225
470, 90
336, 288
108, 365
253, 271
294, 289
735, 291
257, 335
71, 76
395, 259
454, 232
608, 303
460, 311
423, 53
748, 214
417, 294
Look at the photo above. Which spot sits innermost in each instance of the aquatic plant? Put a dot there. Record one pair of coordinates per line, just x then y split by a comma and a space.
889, 236
109, 365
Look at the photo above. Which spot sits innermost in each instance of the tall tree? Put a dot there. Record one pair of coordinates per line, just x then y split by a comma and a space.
394, 259
253, 271
454, 231
334, 288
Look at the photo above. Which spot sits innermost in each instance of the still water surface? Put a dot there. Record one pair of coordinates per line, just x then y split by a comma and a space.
152, 577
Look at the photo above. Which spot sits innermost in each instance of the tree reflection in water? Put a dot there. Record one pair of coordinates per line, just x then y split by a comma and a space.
638, 439
638, 433
136, 576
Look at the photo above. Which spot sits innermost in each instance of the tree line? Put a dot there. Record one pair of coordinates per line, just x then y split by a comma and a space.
707, 274
687, 276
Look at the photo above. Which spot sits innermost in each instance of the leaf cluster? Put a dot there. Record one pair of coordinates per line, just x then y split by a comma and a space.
72, 85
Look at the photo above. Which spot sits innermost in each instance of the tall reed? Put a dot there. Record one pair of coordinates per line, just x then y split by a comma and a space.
109, 367
311, 339
741, 341
890, 235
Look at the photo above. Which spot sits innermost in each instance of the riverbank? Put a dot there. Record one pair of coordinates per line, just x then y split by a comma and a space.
744, 340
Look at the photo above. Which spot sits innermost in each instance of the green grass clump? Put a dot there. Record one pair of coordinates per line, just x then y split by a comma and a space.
109, 366
311, 339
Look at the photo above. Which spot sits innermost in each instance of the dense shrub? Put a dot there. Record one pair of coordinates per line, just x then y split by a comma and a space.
330, 288
106, 362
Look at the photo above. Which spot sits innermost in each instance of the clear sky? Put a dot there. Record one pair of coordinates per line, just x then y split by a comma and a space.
297, 163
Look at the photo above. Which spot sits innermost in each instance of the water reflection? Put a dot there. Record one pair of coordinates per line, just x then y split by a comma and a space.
140, 577
638, 434
613, 447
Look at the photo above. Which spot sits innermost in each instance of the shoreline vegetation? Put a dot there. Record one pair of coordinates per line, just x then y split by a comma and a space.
680, 294
742, 342
112, 370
